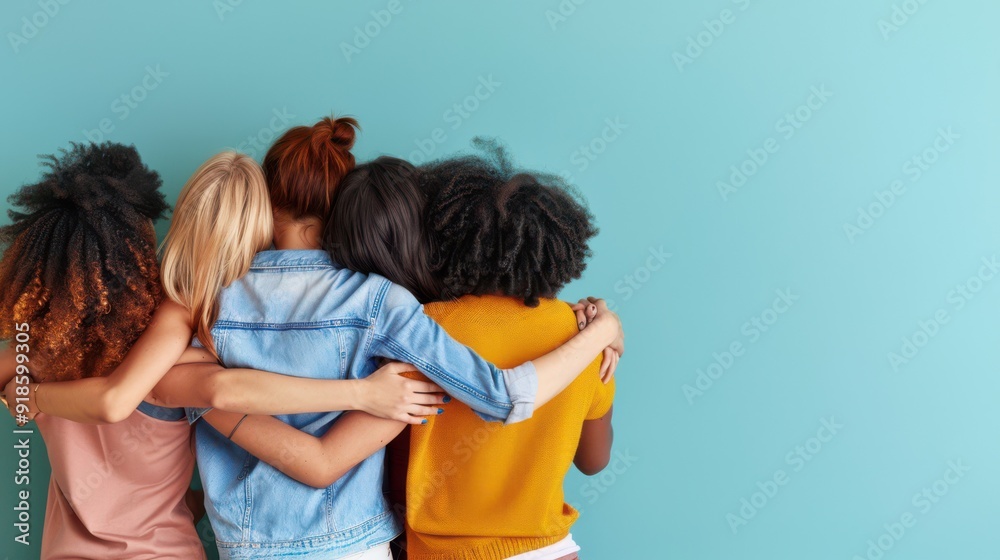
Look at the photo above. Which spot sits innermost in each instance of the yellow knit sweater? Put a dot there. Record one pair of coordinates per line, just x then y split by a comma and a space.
485, 491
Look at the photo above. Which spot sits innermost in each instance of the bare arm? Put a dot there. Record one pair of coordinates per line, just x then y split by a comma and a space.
199, 381
594, 451
557, 369
105, 400
316, 461
586, 312
402, 331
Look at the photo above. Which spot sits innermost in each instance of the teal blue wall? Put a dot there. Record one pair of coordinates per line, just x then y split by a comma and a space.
868, 141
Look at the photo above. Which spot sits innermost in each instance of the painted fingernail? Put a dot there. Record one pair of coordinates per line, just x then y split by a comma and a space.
447, 399
440, 411
581, 324
424, 421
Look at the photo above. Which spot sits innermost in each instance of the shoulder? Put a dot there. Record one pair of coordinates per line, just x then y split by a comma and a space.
552, 319
561, 319
558, 317
171, 321
390, 295
171, 312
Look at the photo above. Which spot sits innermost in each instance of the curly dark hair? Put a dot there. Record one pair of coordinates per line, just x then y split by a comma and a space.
501, 230
79, 261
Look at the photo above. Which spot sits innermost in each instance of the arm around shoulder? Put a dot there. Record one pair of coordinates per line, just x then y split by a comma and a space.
111, 399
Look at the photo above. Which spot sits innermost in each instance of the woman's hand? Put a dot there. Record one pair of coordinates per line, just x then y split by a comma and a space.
20, 400
588, 311
387, 394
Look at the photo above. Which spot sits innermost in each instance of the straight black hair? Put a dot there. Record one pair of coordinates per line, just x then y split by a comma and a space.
376, 226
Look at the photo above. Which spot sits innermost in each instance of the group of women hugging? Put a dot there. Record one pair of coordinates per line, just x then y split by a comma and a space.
304, 316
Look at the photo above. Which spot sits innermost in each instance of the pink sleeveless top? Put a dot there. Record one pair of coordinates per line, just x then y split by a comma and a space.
117, 491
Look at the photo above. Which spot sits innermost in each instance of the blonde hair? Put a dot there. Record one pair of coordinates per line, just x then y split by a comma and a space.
221, 220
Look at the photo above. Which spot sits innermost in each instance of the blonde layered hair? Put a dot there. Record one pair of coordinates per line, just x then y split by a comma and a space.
221, 220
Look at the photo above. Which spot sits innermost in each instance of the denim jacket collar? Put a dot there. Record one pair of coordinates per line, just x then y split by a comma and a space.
290, 258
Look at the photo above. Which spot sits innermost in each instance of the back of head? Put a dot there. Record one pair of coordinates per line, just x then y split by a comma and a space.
502, 231
304, 167
376, 226
79, 266
221, 220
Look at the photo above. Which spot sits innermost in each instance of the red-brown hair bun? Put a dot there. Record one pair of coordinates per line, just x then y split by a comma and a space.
305, 165
340, 131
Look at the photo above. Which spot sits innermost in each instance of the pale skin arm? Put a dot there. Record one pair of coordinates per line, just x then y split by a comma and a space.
557, 369
321, 461
586, 312
311, 460
314, 461
198, 380
109, 399
199, 383
113, 398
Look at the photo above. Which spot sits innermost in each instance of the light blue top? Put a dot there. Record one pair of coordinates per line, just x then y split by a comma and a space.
297, 313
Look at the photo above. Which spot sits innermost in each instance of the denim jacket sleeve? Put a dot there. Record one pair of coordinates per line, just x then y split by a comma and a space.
401, 331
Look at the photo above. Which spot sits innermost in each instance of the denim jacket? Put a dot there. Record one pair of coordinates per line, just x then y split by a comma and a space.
297, 313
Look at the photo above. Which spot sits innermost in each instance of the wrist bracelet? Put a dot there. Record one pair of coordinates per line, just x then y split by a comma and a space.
35, 397
237, 426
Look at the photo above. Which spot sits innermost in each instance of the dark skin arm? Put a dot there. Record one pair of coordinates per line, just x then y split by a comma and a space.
594, 451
